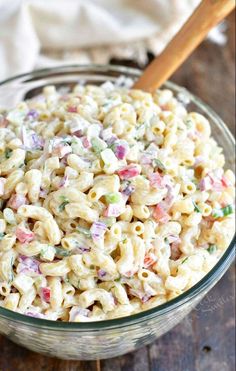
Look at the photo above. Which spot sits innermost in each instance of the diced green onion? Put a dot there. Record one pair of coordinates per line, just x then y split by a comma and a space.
84, 231
196, 208
1, 236
157, 163
62, 206
112, 146
184, 260
8, 153
140, 130
189, 123
196, 182
112, 198
47, 253
227, 210
98, 144
65, 202
61, 252
67, 141
109, 221
66, 279
212, 249
99, 206
63, 198
224, 211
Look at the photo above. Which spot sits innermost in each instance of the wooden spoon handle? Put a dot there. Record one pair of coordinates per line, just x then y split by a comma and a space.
205, 17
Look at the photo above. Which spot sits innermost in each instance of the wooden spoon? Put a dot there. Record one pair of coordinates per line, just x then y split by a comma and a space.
205, 17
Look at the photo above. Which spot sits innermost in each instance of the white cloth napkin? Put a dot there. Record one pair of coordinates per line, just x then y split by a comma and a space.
36, 33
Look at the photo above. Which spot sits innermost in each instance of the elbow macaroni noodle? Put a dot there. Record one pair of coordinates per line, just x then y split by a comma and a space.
112, 201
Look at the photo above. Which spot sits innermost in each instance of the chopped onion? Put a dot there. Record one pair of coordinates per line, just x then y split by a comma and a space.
28, 265
2, 182
114, 210
16, 201
77, 311
160, 215
98, 230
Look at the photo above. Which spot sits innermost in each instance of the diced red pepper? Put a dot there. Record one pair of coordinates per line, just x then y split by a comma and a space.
24, 235
86, 142
160, 215
4, 122
212, 181
78, 133
148, 261
128, 172
72, 109
45, 294
156, 180
16, 201
225, 182
175, 251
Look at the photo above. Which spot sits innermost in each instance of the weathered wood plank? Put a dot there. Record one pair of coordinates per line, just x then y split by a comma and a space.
174, 350
135, 361
214, 327
210, 74
205, 339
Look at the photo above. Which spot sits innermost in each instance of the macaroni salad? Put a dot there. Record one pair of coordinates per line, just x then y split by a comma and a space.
112, 201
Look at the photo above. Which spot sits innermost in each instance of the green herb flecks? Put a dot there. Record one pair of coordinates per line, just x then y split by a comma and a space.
113, 197
1, 236
196, 182
66, 142
212, 249
65, 202
66, 280
196, 208
61, 252
158, 164
8, 153
109, 221
224, 211
184, 260
98, 145
112, 146
189, 123
140, 131
63, 205
84, 231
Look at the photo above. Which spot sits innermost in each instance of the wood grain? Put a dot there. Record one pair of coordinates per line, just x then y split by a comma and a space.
205, 340
208, 14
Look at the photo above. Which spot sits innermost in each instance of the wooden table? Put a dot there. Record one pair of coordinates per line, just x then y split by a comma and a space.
205, 340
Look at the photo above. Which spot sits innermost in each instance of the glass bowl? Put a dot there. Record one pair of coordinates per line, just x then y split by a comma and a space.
111, 338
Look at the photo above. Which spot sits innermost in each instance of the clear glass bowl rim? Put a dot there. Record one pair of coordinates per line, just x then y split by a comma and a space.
221, 266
